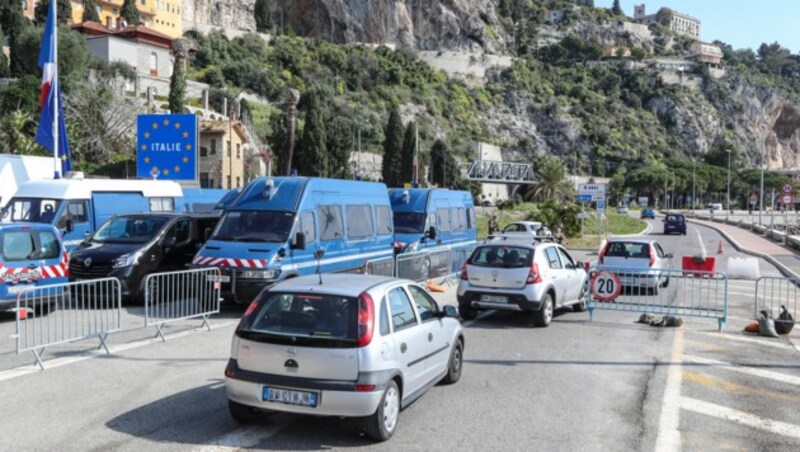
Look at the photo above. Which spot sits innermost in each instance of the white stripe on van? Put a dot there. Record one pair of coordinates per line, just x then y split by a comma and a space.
336, 260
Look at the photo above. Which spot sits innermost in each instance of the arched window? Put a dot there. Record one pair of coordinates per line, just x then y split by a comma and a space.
153, 64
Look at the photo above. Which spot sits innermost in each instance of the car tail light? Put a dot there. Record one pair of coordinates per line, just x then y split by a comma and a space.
366, 319
464, 274
603, 253
534, 277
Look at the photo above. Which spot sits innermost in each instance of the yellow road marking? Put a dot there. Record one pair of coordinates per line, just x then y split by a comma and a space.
733, 387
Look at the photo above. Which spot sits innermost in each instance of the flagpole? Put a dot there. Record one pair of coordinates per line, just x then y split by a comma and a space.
55, 88
415, 178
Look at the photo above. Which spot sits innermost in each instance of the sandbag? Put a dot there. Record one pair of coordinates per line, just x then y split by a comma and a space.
743, 268
751, 327
785, 322
766, 327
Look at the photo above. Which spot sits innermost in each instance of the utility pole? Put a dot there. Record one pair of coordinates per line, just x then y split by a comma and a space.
761, 192
729, 151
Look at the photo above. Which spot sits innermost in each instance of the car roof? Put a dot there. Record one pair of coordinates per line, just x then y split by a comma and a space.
630, 240
345, 284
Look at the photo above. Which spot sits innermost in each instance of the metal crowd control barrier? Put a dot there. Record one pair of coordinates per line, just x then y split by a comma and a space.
381, 267
413, 266
62, 313
662, 292
440, 263
772, 292
459, 256
181, 295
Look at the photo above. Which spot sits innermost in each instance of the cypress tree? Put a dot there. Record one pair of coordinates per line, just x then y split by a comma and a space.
261, 11
12, 23
130, 13
63, 12
340, 141
90, 11
177, 87
313, 158
616, 9
444, 170
392, 147
407, 154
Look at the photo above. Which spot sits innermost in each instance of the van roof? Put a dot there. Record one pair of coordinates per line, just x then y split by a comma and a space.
345, 284
286, 192
83, 188
418, 198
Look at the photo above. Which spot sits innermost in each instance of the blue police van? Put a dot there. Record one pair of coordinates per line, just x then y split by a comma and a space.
77, 206
282, 227
431, 218
31, 255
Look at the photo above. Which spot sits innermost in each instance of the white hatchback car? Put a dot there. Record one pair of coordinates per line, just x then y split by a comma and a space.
526, 229
526, 276
353, 346
639, 263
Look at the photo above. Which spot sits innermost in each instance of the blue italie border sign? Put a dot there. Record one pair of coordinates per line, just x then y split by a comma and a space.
166, 147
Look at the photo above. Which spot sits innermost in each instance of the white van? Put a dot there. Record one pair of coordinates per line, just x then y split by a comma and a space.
714, 206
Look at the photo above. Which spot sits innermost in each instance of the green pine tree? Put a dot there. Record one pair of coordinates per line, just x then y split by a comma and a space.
340, 142
407, 154
130, 13
392, 147
262, 16
63, 12
90, 11
12, 23
616, 9
313, 158
444, 168
177, 87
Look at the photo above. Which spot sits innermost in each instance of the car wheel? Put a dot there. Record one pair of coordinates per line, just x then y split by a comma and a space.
455, 364
381, 425
467, 312
241, 413
580, 306
544, 316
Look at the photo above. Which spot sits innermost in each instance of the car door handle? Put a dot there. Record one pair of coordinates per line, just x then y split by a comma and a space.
403, 347
430, 337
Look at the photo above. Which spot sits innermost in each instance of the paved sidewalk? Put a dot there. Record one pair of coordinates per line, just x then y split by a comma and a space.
754, 243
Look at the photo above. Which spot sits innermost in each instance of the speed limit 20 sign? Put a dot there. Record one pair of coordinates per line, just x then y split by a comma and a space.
605, 286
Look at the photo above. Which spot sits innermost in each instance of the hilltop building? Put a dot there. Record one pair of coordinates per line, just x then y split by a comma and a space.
680, 23
222, 148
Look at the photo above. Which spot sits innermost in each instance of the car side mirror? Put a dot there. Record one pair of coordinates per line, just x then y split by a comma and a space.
68, 225
299, 242
432, 232
451, 311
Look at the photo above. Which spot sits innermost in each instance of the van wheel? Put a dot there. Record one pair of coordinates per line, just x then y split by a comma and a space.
241, 413
455, 364
544, 316
467, 312
381, 425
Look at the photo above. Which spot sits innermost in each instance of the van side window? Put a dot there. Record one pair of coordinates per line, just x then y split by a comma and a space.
330, 222
75, 211
359, 222
162, 205
384, 217
444, 219
181, 230
462, 219
307, 226
471, 218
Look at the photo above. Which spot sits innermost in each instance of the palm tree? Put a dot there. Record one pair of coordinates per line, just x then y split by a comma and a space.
291, 101
551, 181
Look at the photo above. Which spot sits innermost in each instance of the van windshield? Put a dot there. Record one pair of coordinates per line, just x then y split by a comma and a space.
316, 320
34, 210
409, 222
133, 229
254, 226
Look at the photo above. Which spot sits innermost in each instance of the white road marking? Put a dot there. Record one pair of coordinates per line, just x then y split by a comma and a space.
746, 340
747, 370
60, 362
669, 437
740, 417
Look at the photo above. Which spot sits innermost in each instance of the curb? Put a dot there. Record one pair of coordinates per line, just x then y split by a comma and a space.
789, 273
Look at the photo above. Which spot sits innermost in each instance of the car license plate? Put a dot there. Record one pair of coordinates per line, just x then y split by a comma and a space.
19, 289
494, 298
219, 278
290, 397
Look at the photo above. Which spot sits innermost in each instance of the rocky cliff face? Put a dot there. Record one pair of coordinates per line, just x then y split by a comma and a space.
419, 24
202, 15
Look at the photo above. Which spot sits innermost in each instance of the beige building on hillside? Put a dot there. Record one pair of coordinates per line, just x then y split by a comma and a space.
680, 23
222, 147
703, 52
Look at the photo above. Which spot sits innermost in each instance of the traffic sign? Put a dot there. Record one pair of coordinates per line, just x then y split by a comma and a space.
787, 188
787, 199
585, 198
583, 215
601, 206
592, 189
606, 286
600, 197
644, 201
753, 198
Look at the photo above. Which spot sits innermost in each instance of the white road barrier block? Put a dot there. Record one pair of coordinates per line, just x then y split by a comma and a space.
743, 268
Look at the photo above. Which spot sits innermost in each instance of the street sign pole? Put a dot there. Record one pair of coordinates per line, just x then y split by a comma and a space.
583, 217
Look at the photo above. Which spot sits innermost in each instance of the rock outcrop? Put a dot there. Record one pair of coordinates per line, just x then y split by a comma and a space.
205, 15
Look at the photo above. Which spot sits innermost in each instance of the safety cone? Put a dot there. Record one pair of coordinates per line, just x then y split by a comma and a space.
720, 248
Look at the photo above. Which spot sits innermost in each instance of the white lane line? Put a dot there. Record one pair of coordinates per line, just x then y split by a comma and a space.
747, 370
669, 437
248, 437
746, 340
740, 417
60, 362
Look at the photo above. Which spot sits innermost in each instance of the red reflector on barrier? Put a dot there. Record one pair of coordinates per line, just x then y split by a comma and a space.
365, 388
22, 314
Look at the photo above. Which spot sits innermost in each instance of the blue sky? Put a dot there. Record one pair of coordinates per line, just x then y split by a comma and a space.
740, 23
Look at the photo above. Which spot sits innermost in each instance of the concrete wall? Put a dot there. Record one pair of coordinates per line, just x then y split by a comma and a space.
469, 64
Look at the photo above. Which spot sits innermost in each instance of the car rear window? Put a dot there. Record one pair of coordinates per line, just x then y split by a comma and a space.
674, 219
318, 320
28, 245
628, 249
502, 256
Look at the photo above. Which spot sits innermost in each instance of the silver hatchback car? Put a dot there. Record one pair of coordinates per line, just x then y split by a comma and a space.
516, 275
353, 346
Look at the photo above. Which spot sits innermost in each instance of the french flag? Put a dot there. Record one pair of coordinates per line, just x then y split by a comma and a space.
52, 132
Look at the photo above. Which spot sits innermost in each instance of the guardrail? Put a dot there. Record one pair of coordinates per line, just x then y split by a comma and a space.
440, 263
69, 312
383, 266
181, 295
661, 292
772, 292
